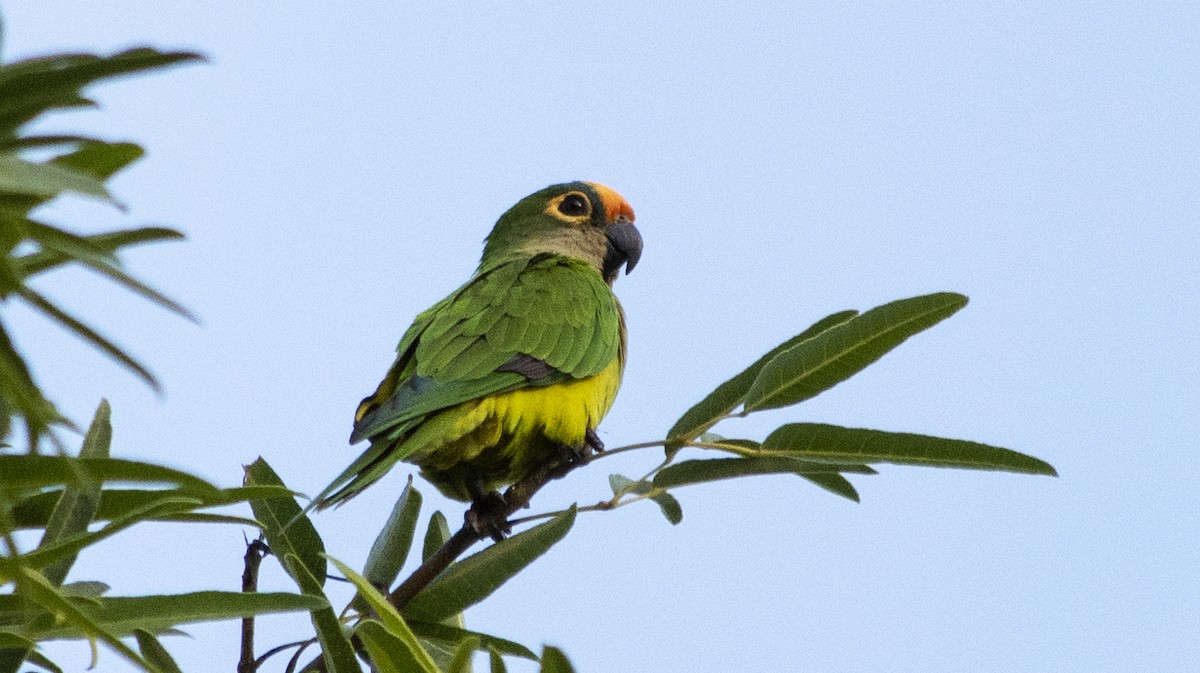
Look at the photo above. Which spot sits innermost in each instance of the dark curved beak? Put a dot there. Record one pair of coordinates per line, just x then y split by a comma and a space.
624, 247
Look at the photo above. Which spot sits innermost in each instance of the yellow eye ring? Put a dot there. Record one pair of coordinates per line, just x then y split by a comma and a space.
570, 207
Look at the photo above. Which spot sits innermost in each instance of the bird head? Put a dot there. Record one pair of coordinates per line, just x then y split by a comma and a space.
583, 220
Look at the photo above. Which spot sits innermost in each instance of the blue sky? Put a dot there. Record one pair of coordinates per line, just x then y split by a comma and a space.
336, 168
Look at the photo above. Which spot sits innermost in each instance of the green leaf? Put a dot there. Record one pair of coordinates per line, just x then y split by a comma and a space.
34, 511
700, 471
32, 472
88, 334
819, 442
120, 277
26, 178
34, 86
14, 650
388, 617
461, 661
100, 159
436, 534
620, 484
19, 396
68, 547
288, 530
124, 615
335, 645
670, 507
388, 653
85, 589
727, 396
440, 632
38, 659
155, 653
106, 243
817, 364
554, 661
497, 662
78, 503
39, 590
475, 578
834, 483
391, 547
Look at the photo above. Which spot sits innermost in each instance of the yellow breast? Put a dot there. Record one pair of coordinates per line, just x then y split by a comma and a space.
496, 440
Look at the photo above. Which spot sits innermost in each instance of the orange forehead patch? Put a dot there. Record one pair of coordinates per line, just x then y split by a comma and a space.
615, 205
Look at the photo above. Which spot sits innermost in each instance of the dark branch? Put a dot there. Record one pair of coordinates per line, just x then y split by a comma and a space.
254, 555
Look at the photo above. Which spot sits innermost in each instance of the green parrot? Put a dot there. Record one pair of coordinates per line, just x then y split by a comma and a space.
516, 367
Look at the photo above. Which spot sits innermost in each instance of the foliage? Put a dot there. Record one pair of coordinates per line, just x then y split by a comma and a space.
74, 502
29, 90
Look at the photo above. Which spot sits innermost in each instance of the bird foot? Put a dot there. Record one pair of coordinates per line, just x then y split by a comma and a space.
488, 515
571, 457
592, 440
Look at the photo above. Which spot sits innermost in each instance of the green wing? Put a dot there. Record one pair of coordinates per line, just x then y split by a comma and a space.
555, 310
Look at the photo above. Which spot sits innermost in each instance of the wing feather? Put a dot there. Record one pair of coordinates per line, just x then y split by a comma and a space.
554, 309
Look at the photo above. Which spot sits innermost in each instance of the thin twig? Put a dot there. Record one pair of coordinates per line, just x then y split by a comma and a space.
254, 555
262, 658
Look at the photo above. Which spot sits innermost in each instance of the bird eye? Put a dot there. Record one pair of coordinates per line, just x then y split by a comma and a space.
574, 205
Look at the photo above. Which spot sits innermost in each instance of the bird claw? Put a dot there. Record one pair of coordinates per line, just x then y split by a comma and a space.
571, 457
592, 440
488, 515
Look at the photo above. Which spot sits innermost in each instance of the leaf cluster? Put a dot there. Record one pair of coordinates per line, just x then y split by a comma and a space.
72, 501
78, 501
36, 168
815, 360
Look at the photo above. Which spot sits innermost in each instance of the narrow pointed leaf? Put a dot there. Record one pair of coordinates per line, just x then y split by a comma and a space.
461, 661
67, 244
441, 632
42, 592
32, 472
497, 662
727, 396
388, 653
34, 511
391, 547
820, 442
137, 286
554, 661
287, 530
834, 483
34, 86
700, 471
88, 334
18, 176
388, 617
817, 364
436, 534
68, 547
475, 578
77, 504
670, 507
100, 159
123, 615
335, 644
38, 659
110, 242
155, 653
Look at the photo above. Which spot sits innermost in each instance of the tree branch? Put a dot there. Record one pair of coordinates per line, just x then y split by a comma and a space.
254, 555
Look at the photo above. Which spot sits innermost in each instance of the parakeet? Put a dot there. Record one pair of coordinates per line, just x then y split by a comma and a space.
517, 365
